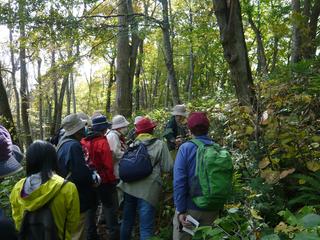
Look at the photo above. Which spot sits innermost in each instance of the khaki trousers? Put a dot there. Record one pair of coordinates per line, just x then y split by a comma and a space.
81, 233
205, 218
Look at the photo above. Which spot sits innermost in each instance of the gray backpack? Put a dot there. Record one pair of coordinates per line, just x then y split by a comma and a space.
39, 224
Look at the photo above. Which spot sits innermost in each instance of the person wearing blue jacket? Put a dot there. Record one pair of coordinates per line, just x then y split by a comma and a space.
184, 170
73, 166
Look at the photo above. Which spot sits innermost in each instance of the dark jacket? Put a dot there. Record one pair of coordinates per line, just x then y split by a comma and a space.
71, 159
172, 130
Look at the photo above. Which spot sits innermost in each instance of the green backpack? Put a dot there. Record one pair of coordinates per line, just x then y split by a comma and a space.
212, 183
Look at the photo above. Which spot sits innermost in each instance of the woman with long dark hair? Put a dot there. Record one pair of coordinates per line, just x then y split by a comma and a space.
43, 186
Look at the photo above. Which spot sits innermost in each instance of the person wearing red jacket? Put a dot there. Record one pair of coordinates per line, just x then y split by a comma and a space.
99, 158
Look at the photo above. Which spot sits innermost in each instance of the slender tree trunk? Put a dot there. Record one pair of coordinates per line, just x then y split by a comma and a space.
110, 83
123, 94
191, 55
156, 85
262, 68
168, 54
72, 81
14, 83
137, 76
310, 41
23, 74
64, 85
228, 15
275, 53
40, 99
296, 50
69, 96
135, 43
49, 112
55, 94
6, 118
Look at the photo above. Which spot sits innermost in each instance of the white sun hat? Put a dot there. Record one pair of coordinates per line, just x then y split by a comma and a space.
119, 121
179, 110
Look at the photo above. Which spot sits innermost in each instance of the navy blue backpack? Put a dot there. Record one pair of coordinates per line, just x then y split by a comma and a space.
136, 163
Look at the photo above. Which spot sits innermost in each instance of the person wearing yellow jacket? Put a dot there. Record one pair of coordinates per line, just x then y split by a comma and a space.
41, 186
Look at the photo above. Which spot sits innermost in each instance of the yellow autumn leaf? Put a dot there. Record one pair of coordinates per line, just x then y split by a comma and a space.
313, 166
254, 214
264, 163
285, 173
302, 181
270, 176
316, 138
249, 130
275, 160
228, 206
281, 227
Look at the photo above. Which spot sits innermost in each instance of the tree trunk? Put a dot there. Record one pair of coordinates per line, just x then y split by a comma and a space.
135, 43
14, 83
296, 33
123, 94
110, 83
262, 68
311, 46
228, 15
191, 57
55, 94
72, 81
6, 118
40, 99
168, 54
137, 77
23, 75
60, 101
275, 53
69, 95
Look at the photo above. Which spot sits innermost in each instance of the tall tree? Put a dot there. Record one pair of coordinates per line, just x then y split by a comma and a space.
72, 81
135, 43
229, 19
296, 51
262, 67
169, 54
40, 99
123, 94
14, 69
110, 83
305, 19
23, 73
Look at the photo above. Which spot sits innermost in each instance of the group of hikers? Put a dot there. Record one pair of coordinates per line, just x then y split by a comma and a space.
95, 169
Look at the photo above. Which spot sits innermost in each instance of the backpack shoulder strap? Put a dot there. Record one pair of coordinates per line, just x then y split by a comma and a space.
197, 142
61, 186
63, 141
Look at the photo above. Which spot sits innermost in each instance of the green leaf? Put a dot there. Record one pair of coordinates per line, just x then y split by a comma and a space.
311, 220
306, 236
271, 237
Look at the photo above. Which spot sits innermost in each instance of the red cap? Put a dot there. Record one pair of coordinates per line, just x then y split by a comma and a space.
145, 125
198, 119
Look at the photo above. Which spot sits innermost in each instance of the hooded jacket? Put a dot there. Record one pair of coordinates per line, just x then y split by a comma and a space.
64, 206
97, 150
149, 188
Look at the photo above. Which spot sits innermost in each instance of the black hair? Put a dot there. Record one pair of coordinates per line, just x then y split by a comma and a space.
199, 130
41, 157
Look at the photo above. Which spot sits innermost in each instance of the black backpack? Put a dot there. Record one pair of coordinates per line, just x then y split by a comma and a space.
136, 163
39, 224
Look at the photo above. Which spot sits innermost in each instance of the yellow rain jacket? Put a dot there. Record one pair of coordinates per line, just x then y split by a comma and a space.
65, 205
